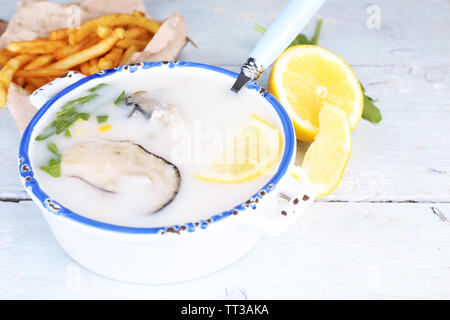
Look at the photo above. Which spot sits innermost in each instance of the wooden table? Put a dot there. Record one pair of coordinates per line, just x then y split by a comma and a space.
383, 233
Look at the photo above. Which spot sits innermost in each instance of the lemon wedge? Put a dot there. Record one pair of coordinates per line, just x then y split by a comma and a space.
305, 78
325, 160
253, 151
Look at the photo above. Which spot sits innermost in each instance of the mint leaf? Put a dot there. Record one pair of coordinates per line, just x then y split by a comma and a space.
370, 112
67, 133
102, 118
299, 39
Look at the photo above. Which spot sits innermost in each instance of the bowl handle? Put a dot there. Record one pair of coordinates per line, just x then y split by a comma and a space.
283, 205
41, 95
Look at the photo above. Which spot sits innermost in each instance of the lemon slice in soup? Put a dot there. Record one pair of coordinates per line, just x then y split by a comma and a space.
253, 151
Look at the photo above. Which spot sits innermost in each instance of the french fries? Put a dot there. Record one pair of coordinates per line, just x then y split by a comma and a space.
60, 34
110, 21
85, 55
35, 46
99, 44
40, 62
30, 88
103, 32
40, 73
7, 74
67, 50
128, 53
5, 55
85, 66
37, 82
126, 43
111, 59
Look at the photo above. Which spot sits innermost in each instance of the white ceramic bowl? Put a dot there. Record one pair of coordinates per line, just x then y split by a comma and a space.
168, 253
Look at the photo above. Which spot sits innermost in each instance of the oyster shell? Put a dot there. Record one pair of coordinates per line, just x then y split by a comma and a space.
142, 104
154, 110
115, 166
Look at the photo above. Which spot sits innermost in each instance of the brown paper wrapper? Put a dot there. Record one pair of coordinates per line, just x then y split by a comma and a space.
35, 19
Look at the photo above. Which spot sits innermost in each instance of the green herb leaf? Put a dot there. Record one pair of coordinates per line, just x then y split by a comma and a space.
102, 118
53, 167
370, 112
120, 98
67, 133
101, 85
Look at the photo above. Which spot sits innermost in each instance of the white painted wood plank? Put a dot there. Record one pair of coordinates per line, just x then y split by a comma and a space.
405, 157
411, 32
336, 250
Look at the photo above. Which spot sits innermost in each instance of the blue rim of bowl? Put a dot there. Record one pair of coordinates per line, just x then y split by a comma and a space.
33, 188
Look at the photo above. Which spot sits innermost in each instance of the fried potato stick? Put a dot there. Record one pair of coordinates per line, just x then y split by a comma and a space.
35, 46
7, 73
84, 67
85, 55
20, 81
30, 88
112, 20
41, 73
37, 82
40, 61
110, 60
128, 53
60, 34
126, 43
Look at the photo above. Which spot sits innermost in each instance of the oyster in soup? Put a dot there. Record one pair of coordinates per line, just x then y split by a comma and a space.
115, 166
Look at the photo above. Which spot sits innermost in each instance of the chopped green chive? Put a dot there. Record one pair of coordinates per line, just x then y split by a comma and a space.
101, 85
53, 167
83, 115
52, 147
120, 98
102, 118
66, 117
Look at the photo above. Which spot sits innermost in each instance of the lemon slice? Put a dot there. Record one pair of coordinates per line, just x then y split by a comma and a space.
253, 151
325, 160
305, 78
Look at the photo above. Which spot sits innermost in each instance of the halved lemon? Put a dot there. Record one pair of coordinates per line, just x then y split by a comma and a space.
305, 78
253, 151
325, 160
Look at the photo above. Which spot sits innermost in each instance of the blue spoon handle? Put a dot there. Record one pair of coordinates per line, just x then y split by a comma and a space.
288, 24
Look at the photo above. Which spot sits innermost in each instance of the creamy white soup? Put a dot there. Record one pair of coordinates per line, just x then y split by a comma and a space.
135, 150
